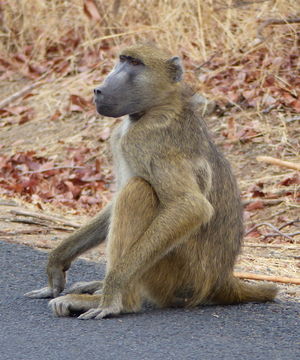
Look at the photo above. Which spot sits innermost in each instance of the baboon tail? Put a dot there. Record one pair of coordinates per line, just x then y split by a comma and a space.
238, 291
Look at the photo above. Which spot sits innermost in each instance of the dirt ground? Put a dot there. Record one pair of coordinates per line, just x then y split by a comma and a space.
43, 225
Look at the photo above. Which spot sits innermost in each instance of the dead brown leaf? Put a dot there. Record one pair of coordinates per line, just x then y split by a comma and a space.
256, 205
90, 9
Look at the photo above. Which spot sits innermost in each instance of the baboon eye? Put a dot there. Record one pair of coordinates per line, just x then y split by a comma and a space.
122, 58
135, 62
131, 60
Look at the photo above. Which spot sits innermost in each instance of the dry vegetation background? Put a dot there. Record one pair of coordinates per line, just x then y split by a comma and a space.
54, 158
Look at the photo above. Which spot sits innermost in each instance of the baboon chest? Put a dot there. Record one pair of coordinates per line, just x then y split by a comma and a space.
122, 167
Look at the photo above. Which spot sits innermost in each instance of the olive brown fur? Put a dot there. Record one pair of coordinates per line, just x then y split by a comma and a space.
174, 228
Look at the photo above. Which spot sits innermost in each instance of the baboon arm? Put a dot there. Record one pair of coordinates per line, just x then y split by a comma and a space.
60, 258
87, 237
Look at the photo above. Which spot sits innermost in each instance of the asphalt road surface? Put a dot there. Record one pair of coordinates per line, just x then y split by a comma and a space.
28, 330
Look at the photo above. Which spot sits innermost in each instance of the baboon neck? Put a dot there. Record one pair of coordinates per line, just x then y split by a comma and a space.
136, 116
171, 106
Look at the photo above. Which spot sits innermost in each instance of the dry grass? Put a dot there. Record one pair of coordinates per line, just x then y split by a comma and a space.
196, 28
39, 34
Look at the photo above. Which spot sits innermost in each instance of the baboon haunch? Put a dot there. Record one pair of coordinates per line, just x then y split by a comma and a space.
174, 228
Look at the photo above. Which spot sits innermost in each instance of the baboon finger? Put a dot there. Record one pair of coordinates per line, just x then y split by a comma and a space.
44, 293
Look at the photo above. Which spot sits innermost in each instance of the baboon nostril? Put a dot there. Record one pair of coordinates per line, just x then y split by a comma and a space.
97, 91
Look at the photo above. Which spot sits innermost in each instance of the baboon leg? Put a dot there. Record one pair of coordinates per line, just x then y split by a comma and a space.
131, 299
134, 210
164, 283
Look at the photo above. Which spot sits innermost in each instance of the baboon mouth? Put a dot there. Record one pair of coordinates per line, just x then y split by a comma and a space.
107, 110
102, 108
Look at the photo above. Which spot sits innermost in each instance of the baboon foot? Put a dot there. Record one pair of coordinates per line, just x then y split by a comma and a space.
73, 303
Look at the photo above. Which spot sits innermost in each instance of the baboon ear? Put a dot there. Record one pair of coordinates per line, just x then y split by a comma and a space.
175, 68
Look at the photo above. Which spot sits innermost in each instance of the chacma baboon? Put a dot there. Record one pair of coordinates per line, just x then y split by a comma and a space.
174, 228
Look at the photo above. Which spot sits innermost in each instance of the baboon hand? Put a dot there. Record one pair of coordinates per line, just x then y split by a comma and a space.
57, 281
44, 293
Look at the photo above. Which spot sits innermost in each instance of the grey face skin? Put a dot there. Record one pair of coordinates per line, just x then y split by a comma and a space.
132, 87
119, 94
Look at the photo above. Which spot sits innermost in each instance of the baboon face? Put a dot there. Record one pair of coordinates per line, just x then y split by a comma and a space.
139, 81
119, 94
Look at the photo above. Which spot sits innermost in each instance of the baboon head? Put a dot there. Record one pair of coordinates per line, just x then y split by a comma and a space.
144, 77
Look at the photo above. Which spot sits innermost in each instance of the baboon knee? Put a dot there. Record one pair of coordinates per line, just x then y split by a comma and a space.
138, 191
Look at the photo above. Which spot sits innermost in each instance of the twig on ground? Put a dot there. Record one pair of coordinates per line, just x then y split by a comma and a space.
286, 235
53, 168
269, 109
25, 232
275, 214
45, 217
40, 223
266, 202
8, 203
273, 246
241, 3
280, 279
23, 91
28, 221
294, 118
273, 256
288, 190
36, 244
293, 222
199, 67
264, 24
241, 140
278, 162
272, 227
